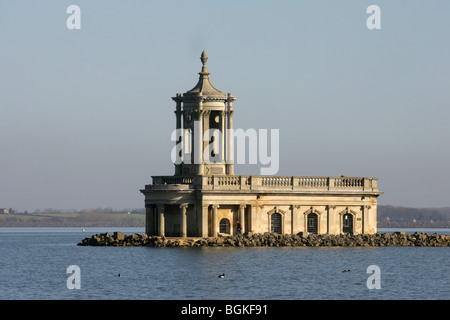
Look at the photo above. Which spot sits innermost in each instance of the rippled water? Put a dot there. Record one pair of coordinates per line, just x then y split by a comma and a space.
34, 261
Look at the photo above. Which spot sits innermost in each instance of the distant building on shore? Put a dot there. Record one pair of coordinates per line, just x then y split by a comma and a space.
206, 198
6, 211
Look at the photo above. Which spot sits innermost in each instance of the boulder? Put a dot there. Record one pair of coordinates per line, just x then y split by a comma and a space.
118, 236
219, 241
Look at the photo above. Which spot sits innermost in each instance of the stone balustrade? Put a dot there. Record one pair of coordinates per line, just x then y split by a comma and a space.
172, 180
242, 182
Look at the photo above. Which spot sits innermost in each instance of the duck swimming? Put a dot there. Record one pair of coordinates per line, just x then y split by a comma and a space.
222, 275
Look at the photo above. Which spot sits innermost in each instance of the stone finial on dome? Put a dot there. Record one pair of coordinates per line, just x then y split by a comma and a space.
204, 86
204, 58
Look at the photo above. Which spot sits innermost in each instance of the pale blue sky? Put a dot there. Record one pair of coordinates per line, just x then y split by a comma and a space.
86, 115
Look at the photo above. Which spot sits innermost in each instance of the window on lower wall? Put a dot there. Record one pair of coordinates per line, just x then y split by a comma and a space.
224, 226
312, 223
275, 223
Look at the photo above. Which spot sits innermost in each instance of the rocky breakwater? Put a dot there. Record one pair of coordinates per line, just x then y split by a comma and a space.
273, 240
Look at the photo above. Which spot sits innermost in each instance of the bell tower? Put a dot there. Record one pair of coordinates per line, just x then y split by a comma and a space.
204, 123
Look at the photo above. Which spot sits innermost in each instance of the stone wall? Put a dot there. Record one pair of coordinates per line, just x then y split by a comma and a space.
273, 240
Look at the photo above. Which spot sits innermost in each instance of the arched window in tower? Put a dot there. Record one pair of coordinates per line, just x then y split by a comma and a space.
275, 223
187, 141
215, 137
311, 220
224, 226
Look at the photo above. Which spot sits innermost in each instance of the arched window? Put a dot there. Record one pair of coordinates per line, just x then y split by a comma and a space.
312, 223
275, 223
347, 223
224, 226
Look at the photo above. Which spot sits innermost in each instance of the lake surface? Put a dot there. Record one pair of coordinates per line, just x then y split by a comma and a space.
34, 262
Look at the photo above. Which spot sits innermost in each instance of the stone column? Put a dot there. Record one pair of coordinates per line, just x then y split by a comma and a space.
183, 217
259, 219
150, 220
160, 209
242, 217
202, 220
199, 140
296, 226
230, 136
178, 128
205, 209
365, 219
331, 220
188, 143
215, 229
252, 218
222, 147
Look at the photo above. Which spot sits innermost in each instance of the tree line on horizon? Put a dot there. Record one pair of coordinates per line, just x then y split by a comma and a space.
102, 210
387, 216
83, 218
385, 212
395, 216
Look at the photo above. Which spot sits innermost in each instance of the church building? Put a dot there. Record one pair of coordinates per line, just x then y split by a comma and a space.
205, 198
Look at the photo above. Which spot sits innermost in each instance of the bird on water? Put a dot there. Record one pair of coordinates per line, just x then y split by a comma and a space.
222, 275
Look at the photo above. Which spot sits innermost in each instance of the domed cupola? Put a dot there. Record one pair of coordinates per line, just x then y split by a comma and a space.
202, 113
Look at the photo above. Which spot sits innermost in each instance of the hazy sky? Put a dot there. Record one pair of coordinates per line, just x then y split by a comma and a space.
86, 115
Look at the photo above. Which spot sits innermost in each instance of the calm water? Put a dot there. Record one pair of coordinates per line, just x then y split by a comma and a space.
33, 264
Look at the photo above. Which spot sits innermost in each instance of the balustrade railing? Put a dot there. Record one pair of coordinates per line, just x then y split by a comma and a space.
313, 182
345, 182
228, 180
276, 181
172, 180
237, 182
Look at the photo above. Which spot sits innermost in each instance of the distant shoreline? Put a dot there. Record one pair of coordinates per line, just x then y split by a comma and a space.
417, 225
387, 216
78, 220
138, 220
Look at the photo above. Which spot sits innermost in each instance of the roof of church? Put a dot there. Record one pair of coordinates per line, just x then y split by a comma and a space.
204, 86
